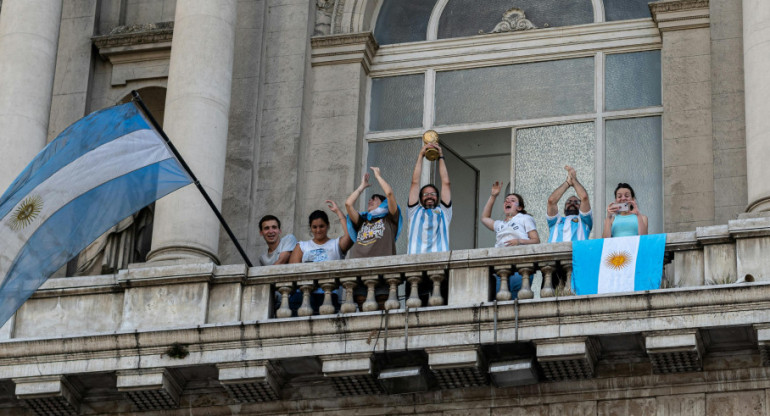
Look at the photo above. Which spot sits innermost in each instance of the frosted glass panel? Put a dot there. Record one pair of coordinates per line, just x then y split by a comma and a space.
396, 160
626, 9
396, 102
403, 21
633, 155
632, 80
468, 17
515, 92
541, 154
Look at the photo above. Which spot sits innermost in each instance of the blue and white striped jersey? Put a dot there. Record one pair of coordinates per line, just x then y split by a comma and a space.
429, 228
570, 228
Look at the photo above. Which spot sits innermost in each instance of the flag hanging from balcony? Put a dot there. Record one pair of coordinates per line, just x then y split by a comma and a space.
620, 264
98, 171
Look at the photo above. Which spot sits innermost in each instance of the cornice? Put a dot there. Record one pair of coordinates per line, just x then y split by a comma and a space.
680, 14
344, 49
122, 36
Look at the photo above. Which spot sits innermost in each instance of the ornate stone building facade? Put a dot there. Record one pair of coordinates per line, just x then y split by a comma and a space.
278, 105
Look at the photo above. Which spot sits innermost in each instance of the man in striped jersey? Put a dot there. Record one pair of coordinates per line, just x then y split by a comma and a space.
577, 221
430, 212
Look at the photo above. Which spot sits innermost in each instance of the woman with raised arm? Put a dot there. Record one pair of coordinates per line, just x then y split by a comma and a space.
321, 247
518, 228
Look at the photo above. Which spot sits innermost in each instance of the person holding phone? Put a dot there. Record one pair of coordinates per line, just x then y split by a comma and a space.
623, 216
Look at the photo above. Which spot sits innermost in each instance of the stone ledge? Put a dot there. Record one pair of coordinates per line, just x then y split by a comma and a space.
680, 14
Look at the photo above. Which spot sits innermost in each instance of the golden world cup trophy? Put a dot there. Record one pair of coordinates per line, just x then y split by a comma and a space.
431, 137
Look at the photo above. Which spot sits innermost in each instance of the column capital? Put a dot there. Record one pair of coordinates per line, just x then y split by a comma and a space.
344, 49
680, 14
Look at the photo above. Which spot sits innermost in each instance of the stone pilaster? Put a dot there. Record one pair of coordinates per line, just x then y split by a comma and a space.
29, 37
196, 120
688, 160
756, 62
340, 64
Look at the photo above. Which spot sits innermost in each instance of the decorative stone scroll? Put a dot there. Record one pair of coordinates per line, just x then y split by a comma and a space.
514, 20
323, 17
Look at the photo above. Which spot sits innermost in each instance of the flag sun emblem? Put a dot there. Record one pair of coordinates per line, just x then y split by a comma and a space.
26, 212
618, 260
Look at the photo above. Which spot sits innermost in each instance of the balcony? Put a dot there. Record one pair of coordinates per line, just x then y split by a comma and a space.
181, 336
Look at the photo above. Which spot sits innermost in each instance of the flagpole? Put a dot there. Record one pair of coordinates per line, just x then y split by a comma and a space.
222, 221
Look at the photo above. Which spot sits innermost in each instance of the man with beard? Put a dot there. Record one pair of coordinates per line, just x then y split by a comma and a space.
577, 221
430, 212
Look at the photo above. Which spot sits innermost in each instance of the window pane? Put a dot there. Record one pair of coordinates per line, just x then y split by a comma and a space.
541, 154
515, 92
633, 155
403, 21
626, 9
396, 160
396, 102
632, 80
468, 17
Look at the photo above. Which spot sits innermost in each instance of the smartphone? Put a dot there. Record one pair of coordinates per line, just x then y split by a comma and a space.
624, 206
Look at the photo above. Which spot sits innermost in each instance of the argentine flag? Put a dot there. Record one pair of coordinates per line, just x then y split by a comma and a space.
100, 170
620, 264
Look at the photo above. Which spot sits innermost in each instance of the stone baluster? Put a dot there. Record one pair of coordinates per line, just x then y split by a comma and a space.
414, 278
547, 268
371, 302
349, 305
328, 307
526, 271
504, 272
393, 279
437, 276
566, 265
284, 311
306, 287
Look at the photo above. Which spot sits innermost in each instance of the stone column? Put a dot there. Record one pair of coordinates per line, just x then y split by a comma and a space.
756, 61
196, 120
29, 37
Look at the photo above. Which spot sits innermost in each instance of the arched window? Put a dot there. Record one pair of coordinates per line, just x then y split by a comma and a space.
577, 83
401, 21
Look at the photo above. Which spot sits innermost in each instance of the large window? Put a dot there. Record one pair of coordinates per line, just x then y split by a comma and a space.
520, 105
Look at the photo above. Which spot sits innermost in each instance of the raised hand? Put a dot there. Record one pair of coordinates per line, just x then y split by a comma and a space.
376, 171
365, 181
571, 174
332, 206
496, 188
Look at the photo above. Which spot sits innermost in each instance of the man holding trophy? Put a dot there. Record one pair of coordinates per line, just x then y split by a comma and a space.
430, 211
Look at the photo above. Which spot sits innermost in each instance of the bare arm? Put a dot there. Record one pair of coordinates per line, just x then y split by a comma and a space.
446, 190
642, 219
283, 258
392, 204
296, 255
611, 210
352, 212
553, 209
486, 215
345, 241
414, 190
585, 203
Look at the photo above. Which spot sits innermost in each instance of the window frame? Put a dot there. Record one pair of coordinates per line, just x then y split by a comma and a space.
595, 40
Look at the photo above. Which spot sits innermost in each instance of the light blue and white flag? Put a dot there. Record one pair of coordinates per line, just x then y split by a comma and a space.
100, 170
620, 264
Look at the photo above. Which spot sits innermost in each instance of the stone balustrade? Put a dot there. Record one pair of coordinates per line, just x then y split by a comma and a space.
159, 329
179, 295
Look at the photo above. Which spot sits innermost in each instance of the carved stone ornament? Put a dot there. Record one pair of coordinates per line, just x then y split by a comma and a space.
514, 20
323, 17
